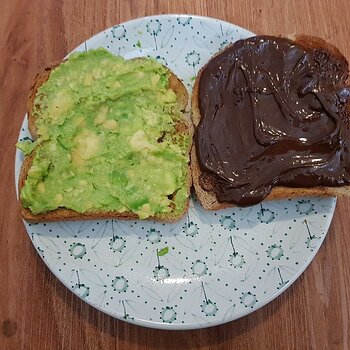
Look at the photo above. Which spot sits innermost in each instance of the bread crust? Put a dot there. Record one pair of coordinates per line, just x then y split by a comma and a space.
62, 214
208, 199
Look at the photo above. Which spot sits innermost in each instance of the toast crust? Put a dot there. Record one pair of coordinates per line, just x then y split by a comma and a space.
62, 214
208, 198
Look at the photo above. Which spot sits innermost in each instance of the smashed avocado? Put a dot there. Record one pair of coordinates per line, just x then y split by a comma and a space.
107, 139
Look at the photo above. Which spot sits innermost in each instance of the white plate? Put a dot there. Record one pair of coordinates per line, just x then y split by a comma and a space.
218, 266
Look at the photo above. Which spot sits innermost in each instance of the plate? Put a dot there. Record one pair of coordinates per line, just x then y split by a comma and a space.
210, 267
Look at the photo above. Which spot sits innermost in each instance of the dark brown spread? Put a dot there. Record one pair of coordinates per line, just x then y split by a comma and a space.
272, 113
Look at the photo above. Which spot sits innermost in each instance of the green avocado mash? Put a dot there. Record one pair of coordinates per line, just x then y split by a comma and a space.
107, 139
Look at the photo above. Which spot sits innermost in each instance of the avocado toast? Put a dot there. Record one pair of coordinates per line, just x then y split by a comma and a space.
112, 140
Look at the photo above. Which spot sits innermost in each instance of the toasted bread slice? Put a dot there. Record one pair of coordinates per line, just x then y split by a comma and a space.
61, 214
208, 198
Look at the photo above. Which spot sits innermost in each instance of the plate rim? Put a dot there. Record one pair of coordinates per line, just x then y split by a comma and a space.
163, 15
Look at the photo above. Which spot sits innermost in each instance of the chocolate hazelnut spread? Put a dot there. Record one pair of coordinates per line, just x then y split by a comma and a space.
272, 113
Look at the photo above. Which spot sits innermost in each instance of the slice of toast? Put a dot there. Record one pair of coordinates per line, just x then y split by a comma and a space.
208, 198
60, 214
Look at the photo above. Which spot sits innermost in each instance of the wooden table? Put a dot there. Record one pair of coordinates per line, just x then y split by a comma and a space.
36, 310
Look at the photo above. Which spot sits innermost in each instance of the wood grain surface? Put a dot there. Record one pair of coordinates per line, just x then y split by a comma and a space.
36, 310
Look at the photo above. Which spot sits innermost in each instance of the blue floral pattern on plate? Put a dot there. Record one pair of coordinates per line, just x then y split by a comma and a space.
208, 268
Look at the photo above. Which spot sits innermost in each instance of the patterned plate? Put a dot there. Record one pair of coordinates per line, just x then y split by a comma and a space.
207, 269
